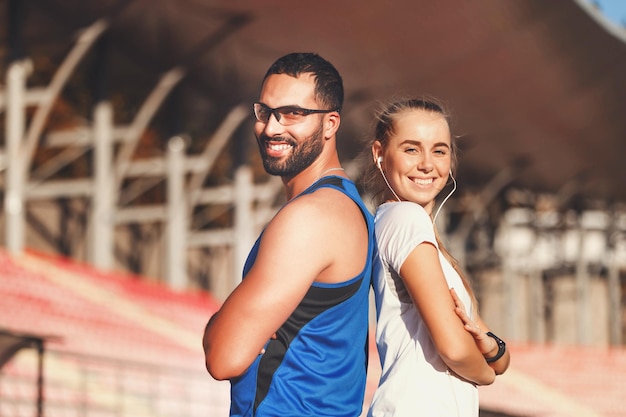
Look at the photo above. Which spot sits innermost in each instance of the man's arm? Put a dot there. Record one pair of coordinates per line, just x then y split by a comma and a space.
290, 257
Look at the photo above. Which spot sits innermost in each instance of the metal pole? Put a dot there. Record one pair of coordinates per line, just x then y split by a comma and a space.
508, 281
102, 215
15, 176
244, 226
583, 311
176, 226
40, 378
615, 298
537, 305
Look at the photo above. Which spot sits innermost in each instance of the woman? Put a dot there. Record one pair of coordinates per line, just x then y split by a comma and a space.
433, 351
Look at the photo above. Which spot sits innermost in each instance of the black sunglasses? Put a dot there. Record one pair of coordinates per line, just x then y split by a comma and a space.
285, 115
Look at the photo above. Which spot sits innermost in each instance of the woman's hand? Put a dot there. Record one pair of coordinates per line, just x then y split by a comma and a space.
485, 344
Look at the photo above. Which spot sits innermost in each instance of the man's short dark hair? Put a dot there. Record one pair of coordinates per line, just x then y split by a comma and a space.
328, 82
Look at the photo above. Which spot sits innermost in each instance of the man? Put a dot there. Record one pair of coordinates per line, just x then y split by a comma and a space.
292, 337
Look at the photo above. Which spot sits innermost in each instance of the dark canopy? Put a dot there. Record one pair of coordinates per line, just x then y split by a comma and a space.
538, 86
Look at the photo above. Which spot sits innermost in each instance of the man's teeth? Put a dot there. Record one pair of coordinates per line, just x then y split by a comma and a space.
279, 146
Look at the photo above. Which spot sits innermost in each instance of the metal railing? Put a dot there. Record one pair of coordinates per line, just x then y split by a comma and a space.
78, 385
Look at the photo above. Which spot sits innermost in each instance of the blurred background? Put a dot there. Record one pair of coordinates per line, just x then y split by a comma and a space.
132, 187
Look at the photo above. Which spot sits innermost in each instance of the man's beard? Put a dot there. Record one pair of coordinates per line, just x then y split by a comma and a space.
303, 154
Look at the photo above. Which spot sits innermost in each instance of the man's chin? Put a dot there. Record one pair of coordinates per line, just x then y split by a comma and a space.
280, 171
272, 169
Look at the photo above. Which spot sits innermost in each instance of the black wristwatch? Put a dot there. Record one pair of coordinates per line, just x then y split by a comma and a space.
501, 348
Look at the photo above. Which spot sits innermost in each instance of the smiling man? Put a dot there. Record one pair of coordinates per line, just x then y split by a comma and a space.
292, 337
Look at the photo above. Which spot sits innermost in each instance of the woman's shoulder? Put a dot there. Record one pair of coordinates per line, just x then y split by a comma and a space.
400, 227
401, 210
402, 216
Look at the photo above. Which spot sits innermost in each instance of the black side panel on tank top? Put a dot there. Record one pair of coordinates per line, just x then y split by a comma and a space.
316, 301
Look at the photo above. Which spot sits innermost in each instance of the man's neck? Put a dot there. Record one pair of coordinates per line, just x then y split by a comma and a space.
296, 185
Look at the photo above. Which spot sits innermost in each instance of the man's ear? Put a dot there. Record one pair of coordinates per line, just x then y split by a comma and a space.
331, 124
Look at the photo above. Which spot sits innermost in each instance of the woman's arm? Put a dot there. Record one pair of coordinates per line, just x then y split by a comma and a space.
485, 343
424, 279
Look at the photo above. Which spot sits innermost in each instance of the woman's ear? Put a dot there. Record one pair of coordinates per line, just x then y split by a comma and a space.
377, 153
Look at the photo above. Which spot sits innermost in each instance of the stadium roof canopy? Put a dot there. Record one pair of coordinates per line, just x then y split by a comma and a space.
537, 88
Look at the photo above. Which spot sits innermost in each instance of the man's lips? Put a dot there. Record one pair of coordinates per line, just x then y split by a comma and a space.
277, 147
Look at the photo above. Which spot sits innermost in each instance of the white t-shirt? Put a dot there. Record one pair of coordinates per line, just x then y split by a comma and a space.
414, 380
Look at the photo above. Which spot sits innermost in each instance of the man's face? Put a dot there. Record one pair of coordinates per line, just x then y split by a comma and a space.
287, 150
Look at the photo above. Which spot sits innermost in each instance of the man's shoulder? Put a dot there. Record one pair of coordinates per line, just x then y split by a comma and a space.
337, 188
319, 200
320, 206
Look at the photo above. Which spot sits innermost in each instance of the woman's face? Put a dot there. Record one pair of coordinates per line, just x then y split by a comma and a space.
417, 158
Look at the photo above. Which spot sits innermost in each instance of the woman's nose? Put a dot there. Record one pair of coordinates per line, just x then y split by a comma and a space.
425, 163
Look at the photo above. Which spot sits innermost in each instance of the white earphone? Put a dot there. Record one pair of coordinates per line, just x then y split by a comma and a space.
447, 197
379, 161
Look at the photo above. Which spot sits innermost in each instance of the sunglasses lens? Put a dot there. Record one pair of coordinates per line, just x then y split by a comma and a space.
285, 115
261, 112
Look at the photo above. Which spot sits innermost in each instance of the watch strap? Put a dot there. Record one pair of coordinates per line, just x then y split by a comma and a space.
501, 348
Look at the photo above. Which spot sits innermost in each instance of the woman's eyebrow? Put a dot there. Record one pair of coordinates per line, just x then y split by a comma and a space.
419, 142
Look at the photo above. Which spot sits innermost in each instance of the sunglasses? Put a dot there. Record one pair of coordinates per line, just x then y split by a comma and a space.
285, 115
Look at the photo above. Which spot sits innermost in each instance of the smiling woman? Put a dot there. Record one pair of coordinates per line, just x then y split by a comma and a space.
434, 351
417, 158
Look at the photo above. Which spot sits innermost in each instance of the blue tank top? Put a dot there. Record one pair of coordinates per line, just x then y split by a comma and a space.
317, 364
